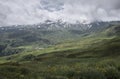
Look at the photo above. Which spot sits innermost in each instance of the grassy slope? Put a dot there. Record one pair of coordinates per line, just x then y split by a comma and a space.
70, 60
92, 57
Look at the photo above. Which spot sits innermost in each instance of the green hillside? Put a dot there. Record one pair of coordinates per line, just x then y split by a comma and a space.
92, 56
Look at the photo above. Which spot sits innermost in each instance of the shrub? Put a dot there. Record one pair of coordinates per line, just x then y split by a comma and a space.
112, 73
89, 74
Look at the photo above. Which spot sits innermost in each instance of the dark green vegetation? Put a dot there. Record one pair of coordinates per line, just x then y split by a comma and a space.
91, 54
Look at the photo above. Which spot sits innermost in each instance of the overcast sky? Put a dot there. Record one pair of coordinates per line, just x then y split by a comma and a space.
35, 11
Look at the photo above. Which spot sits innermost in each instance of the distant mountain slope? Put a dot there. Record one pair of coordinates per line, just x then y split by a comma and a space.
102, 44
50, 33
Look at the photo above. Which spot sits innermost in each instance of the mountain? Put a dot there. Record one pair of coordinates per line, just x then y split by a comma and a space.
60, 50
49, 33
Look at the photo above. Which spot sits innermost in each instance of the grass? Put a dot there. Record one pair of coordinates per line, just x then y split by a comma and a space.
69, 45
92, 57
63, 68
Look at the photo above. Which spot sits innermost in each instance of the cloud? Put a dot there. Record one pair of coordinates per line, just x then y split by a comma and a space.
14, 12
92, 10
53, 5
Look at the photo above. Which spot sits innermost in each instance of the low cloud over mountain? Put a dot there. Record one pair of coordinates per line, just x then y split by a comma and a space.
34, 11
